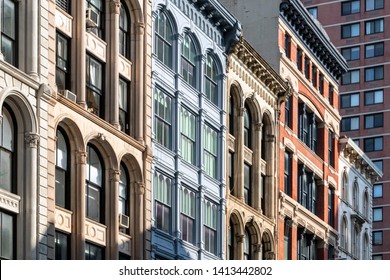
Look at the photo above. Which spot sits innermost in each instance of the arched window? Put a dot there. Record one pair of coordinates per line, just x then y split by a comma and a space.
98, 7
162, 195
247, 127
365, 205
365, 247
344, 234
7, 152
231, 235
124, 197
62, 170
231, 114
163, 39
124, 32
210, 82
355, 241
94, 185
9, 31
345, 187
188, 67
355, 196
247, 245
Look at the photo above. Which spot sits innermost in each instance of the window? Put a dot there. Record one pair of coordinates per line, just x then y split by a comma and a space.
187, 215
355, 196
247, 245
9, 31
350, 123
356, 141
331, 149
7, 152
188, 68
377, 237
162, 118
330, 94
124, 32
247, 128
306, 246
351, 77
62, 246
287, 45
366, 209
377, 257
307, 127
287, 239
307, 189
350, 100
350, 7
374, 26
124, 116
351, 53
210, 82
287, 173
350, 30
94, 185
210, 151
373, 97
313, 11
321, 84
379, 164
344, 234
314, 78
231, 115
62, 176
98, 7
93, 252
162, 195
124, 195
163, 39
374, 50
210, 227
247, 185
7, 236
299, 59
64, 5
366, 254
377, 191
188, 130
377, 214
373, 73
62, 62
373, 121
307, 67
231, 171
373, 144
331, 207
374, 5
287, 108
94, 83
345, 187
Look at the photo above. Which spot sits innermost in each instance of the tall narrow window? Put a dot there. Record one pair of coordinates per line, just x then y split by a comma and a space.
62, 246
62, 62
299, 59
98, 7
287, 239
124, 116
187, 215
247, 185
94, 185
345, 187
321, 84
231, 115
231, 238
344, 234
93, 252
247, 128
188, 68
62, 170
314, 78
7, 152
210, 227
9, 31
124, 36
210, 82
163, 39
188, 130
95, 88
331, 148
287, 45
330, 94
7, 236
307, 67
247, 245
162, 118
287, 173
124, 196
210, 151
331, 207
231, 171
162, 195
287, 108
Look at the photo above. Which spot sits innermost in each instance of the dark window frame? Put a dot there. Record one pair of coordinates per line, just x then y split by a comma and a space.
347, 7
378, 120
379, 50
373, 92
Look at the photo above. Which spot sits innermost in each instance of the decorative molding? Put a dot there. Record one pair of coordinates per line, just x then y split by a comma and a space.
32, 139
63, 22
125, 67
96, 46
95, 232
9, 201
63, 219
125, 244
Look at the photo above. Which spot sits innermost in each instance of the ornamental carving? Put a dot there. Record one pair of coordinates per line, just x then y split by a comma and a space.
32, 140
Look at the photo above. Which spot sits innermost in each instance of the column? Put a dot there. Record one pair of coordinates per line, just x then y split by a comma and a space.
113, 96
138, 240
294, 240
139, 81
32, 39
80, 213
31, 214
239, 156
80, 53
257, 167
240, 246
113, 224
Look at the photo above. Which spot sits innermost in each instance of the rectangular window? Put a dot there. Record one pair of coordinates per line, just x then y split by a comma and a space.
187, 215
373, 121
350, 30
331, 148
64, 5
287, 45
188, 130
210, 226
210, 151
162, 118
330, 94
373, 73
62, 62
162, 195
377, 257
287, 173
374, 5
379, 164
94, 86
373, 50
307, 67
377, 238
287, 108
351, 77
231, 171
9, 34
321, 84
307, 189
314, 79
373, 97
331, 207
349, 123
62, 246
247, 185
350, 7
7, 237
307, 126
351, 53
373, 144
93, 252
377, 191
377, 214
375, 26
299, 59
349, 100
124, 116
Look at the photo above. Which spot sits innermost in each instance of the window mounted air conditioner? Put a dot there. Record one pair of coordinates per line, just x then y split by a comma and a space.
124, 221
91, 18
68, 94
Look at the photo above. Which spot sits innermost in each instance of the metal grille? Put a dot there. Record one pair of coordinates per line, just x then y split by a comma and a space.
63, 4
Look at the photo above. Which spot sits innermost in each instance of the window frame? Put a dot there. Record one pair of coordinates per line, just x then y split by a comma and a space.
377, 121
374, 146
12, 38
188, 62
350, 53
164, 119
188, 138
188, 216
59, 255
65, 69
210, 79
377, 76
374, 97
66, 171
124, 31
162, 201
350, 31
350, 98
124, 105
377, 51
374, 195
351, 77
163, 43
378, 26
92, 90
344, 123
380, 242
351, 10
210, 157
377, 210
375, 3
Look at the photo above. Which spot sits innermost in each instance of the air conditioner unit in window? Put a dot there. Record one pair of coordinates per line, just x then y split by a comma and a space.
124, 221
91, 18
68, 94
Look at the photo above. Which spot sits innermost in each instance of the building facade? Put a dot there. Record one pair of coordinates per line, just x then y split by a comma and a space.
298, 49
357, 177
190, 44
360, 31
76, 109
254, 91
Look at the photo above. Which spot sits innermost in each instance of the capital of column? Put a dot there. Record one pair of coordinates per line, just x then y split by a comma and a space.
81, 157
258, 126
115, 175
32, 139
240, 238
140, 28
115, 6
140, 188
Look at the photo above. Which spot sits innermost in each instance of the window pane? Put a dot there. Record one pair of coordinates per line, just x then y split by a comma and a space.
60, 188
6, 170
377, 190
377, 214
61, 246
8, 19
93, 203
7, 236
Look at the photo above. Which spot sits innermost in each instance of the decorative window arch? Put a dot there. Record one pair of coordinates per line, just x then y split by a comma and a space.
188, 60
124, 194
62, 170
210, 81
366, 209
163, 42
355, 196
345, 186
124, 31
247, 127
